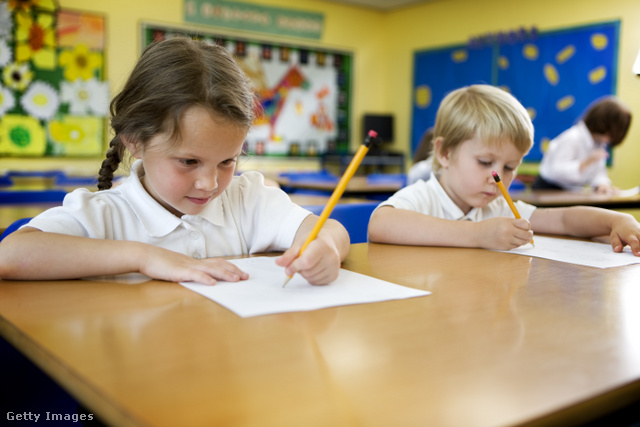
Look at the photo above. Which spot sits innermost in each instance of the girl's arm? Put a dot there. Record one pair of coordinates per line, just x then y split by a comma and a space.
31, 254
321, 260
585, 221
405, 227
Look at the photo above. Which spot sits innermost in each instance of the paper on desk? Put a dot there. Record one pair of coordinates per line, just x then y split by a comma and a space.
263, 293
580, 252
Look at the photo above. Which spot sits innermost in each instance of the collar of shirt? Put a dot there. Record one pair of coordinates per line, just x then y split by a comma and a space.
450, 209
156, 220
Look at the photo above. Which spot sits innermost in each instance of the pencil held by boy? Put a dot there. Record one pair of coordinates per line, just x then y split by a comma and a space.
183, 115
479, 130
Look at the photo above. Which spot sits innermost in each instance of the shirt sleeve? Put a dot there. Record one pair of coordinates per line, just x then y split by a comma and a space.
81, 214
562, 162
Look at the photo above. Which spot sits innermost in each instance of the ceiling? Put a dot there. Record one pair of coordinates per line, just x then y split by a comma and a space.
384, 5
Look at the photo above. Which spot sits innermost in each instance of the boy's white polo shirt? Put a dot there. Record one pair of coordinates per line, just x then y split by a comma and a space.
431, 199
248, 217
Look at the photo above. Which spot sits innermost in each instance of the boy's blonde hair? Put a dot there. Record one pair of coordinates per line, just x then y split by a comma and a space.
485, 112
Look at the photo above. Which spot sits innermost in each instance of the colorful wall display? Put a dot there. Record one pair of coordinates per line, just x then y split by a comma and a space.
53, 97
305, 92
555, 75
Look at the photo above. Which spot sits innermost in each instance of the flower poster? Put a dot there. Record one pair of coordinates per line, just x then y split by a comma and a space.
53, 97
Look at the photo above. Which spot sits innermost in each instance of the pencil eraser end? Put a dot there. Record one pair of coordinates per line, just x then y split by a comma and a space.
373, 133
494, 173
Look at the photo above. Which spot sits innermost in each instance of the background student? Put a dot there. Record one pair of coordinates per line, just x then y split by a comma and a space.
422, 159
480, 129
183, 114
578, 156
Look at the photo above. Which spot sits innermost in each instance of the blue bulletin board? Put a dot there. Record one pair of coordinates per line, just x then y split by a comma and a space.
555, 75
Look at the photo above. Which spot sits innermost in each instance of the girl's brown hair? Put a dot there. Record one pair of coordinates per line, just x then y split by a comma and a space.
171, 76
608, 116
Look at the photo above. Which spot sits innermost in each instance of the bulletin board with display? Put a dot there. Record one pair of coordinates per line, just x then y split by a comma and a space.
305, 92
554, 74
53, 97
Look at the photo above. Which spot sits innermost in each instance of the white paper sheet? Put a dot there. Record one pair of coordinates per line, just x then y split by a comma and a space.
591, 254
263, 293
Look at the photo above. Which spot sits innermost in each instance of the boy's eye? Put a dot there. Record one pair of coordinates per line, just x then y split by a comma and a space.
484, 162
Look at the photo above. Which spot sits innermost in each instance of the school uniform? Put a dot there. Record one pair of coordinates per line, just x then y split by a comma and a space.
431, 199
248, 217
561, 162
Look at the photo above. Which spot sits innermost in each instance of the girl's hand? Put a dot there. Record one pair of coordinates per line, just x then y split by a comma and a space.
319, 263
504, 233
625, 230
164, 264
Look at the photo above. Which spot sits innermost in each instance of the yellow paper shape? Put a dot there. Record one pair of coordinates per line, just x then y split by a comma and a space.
22, 135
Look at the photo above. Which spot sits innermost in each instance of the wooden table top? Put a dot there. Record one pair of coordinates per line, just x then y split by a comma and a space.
557, 198
503, 340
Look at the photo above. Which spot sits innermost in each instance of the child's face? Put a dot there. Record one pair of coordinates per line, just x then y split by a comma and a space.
466, 171
184, 178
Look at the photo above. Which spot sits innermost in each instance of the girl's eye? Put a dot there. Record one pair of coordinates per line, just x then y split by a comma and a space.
228, 162
189, 162
484, 163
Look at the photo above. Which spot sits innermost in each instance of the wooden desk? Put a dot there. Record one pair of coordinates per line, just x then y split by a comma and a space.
551, 198
503, 340
357, 186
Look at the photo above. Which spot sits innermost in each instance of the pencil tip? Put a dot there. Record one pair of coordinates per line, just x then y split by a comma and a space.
286, 281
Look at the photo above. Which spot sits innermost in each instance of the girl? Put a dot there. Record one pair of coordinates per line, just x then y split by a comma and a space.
578, 156
480, 129
183, 115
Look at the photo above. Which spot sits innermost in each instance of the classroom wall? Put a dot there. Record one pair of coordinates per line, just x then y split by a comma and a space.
346, 28
383, 44
450, 22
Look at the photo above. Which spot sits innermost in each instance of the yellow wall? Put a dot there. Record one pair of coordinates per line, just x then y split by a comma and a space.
448, 22
383, 45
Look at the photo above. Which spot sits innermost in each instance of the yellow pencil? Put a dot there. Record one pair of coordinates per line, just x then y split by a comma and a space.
505, 193
337, 193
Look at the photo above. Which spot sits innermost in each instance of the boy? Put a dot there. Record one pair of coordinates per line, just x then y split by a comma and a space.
480, 129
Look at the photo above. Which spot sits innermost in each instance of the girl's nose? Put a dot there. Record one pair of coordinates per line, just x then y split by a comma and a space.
207, 182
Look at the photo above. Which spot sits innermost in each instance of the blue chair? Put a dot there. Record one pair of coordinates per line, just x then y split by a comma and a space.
13, 227
32, 196
353, 216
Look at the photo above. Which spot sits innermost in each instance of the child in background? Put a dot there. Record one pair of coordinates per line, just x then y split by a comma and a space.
422, 159
578, 156
183, 114
480, 129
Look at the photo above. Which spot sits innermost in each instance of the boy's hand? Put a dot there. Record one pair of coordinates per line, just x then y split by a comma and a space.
504, 233
625, 230
319, 263
163, 264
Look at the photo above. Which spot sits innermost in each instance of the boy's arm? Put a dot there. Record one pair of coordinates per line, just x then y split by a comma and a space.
405, 227
31, 254
585, 221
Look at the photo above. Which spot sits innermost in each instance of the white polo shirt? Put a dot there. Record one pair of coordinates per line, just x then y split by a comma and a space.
248, 217
431, 199
561, 162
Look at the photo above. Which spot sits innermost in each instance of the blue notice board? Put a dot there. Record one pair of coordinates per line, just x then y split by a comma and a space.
555, 75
